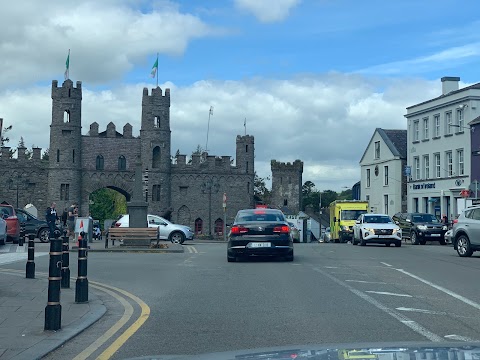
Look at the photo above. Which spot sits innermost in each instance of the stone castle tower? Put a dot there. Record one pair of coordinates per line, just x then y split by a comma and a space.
287, 185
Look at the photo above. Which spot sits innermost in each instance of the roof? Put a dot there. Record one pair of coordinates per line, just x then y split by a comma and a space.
396, 140
475, 121
474, 86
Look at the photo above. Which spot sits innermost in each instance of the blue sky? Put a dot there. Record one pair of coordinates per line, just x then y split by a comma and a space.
314, 78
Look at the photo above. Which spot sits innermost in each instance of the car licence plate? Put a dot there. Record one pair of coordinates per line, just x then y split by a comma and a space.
436, 235
259, 244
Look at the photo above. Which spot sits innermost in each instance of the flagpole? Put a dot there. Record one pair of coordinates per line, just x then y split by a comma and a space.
157, 69
245, 126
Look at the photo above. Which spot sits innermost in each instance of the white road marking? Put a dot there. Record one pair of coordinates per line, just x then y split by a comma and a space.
331, 267
14, 257
366, 282
442, 289
420, 310
459, 337
384, 263
400, 317
387, 293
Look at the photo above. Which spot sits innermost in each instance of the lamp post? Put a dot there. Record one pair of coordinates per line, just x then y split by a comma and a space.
208, 187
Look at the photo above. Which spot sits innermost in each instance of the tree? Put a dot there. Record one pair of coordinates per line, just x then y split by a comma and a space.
260, 191
198, 151
328, 196
310, 196
107, 204
345, 195
4, 139
21, 144
46, 154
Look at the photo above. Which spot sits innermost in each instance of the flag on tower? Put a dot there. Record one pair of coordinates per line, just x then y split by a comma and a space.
67, 66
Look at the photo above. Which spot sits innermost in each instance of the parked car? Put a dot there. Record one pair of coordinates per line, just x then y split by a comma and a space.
166, 230
326, 236
295, 232
466, 232
13, 224
448, 236
35, 226
259, 232
376, 228
420, 227
3, 231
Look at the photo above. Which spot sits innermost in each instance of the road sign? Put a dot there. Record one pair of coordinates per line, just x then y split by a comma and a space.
224, 200
408, 170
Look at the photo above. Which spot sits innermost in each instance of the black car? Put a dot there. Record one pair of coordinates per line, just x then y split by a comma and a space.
420, 227
259, 232
34, 225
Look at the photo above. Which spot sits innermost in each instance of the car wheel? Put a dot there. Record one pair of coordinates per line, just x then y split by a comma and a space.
15, 240
442, 241
413, 238
362, 241
289, 257
177, 237
387, 244
398, 244
463, 246
43, 235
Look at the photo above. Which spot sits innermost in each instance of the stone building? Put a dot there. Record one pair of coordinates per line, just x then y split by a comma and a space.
192, 192
287, 186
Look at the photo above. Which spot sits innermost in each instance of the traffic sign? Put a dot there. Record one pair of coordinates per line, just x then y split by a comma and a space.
224, 200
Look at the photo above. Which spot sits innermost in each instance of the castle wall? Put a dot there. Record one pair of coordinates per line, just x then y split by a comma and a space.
287, 185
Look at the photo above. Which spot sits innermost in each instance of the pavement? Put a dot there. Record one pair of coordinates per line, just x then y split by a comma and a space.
23, 301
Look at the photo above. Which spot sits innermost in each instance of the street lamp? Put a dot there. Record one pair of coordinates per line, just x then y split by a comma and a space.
208, 187
472, 129
14, 183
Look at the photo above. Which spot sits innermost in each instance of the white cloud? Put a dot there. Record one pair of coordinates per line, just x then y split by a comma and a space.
326, 121
268, 10
106, 38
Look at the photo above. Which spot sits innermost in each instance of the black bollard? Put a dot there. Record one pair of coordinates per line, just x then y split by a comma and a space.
53, 310
30, 268
65, 262
81, 286
21, 238
106, 241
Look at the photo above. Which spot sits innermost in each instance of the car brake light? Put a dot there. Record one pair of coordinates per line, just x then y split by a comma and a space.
455, 221
239, 230
117, 224
284, 229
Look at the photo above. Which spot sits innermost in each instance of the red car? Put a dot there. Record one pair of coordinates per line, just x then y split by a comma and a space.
13, 224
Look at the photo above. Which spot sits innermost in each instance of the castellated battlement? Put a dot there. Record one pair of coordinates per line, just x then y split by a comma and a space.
297, 165
111, 131
245, 138
21, 155
67, 90
156, 97
200, 163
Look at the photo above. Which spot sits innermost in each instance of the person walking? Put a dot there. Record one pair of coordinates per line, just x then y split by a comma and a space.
51, 217
72, 217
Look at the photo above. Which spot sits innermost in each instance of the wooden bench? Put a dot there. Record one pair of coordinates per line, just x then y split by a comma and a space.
133, 236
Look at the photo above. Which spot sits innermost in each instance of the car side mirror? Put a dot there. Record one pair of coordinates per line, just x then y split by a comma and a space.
357, 222
408, 220
396, 222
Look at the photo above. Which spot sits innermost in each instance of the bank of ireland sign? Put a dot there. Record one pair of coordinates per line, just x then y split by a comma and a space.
424, 186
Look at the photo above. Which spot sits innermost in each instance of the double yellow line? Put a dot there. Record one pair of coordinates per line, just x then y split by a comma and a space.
127, 314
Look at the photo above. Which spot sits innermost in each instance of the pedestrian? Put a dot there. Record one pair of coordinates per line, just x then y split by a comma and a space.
51, 217
64, 218
72, 216
445, 219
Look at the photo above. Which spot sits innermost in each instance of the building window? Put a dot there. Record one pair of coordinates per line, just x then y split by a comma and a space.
460, 162
156, 157
246, 148
416, 166
415, 205
460, 120
416, 135
426, 134
156, 193
198, 226
219, 227
377, 149
425, 204
367, 197
246, 167
437, 165
368, 178
448, 123
385, 203
73, 156
449, 163
285, 202
436, 120
122, 163
156, 122
385, 172
99, 163
426, 166
58, 155
64, 191
248, 187
66, 116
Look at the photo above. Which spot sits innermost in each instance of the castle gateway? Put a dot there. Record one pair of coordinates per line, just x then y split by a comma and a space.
192, 192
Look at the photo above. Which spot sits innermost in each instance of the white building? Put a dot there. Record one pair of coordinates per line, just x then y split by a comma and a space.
382, 183
439, 149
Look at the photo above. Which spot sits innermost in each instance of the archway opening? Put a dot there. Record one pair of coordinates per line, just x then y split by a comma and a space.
108, 204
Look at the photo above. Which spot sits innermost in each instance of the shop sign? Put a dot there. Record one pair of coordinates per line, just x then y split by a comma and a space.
424, 186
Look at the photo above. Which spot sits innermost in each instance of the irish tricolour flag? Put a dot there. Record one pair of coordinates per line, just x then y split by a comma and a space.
154, 69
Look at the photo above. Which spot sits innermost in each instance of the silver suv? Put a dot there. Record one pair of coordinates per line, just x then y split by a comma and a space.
466, 232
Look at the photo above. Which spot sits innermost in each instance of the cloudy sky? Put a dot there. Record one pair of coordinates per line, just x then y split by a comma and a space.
313, 78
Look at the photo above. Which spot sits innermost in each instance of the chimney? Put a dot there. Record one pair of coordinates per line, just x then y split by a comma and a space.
449, 84
37, 153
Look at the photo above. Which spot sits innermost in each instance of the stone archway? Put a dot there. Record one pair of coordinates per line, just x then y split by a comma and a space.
183, 215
